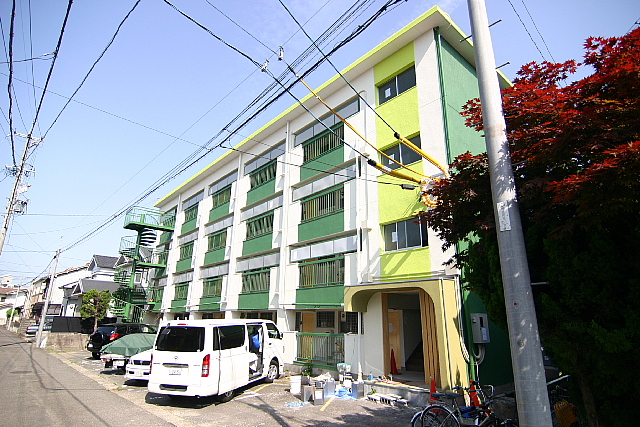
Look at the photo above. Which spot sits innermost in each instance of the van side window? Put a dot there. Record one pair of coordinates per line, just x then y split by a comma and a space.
231, 336
273, 331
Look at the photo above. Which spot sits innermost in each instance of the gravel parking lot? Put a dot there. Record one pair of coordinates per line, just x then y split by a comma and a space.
259, 404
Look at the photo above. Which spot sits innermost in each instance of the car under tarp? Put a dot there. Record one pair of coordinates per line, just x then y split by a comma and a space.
130, 345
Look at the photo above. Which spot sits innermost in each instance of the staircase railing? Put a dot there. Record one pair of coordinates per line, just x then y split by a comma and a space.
127, 311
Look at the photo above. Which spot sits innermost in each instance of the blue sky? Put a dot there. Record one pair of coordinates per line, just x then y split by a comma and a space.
166, 87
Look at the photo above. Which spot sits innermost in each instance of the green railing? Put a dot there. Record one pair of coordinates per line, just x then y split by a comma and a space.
322, 144
320, 349
146, 254
151, 217
127, 311
324, 272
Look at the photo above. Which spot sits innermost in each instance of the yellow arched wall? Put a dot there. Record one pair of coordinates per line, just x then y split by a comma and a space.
453, 367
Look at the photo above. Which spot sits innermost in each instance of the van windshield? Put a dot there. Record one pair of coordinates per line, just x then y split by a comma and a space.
180, 338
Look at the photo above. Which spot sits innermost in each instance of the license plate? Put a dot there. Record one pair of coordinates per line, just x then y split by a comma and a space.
118, 363
175, 371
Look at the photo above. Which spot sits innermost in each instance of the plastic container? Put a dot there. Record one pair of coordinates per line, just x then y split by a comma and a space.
295, 384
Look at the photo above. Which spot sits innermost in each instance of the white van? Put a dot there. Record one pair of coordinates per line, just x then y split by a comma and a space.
214, 357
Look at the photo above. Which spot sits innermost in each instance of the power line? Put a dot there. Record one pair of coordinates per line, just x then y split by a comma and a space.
10, 84
538, 31
197, 155
527, 30
92, 66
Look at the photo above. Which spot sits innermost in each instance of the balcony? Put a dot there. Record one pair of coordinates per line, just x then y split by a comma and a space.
139, 218
320, 349
146, 256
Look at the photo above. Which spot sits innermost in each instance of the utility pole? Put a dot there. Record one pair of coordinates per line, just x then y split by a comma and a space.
45, 308
526, 353
17, 187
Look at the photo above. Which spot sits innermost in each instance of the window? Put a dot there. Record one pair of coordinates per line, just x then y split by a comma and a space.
260, 226
411, 233
322, 272
402, 154
231, 336
217, 240
323, 143
398, 84
273, 331
347, 110
323, 204
180, 338
168, 218
155, 294
212, 287
191, 213
181, 290
325, 319
349, 322
263, 175
256, 281
221, 197
186, 251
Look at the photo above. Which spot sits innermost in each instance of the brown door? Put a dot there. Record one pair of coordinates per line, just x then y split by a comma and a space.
306, 342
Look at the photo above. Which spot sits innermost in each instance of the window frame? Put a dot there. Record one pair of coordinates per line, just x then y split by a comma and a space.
406, 155
221, 197
424, 237
207, 287
332, 138
308, 279
395, 84
186, 250
264, 174
253, 232
334, 204
259, 286
179, 289
212, 245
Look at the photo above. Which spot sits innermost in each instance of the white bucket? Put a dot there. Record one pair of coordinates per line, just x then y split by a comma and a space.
295, 384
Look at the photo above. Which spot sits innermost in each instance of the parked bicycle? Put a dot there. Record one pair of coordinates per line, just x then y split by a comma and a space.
563, 413
487, 410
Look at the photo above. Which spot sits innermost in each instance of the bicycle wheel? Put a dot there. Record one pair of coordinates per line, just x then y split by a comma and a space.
439, 416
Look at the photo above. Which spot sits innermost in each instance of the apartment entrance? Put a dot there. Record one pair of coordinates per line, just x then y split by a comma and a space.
410, 334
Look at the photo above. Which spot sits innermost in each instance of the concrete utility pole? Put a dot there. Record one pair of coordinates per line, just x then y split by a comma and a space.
526, 354
45, 308
17, 188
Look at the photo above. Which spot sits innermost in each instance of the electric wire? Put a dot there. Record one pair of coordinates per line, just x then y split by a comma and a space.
537, 30
197, 156
527, 30
104, 51
10, 83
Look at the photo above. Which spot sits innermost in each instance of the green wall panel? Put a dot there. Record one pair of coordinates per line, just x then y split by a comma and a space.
400, 112
334, 157
183, 264
392, 65
214, 256
459, 86
210, 304
219, 212
407, 263
178, 305
254, 301
257, 244
189, 226
165, 237
322, 226
324, 296
265, 190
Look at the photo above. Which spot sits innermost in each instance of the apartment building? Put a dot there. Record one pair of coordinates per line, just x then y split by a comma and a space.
295, 225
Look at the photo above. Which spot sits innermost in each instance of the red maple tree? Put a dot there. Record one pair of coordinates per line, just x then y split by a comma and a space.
575, 148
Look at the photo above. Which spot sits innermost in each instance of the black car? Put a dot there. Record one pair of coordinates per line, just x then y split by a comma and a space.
112, 331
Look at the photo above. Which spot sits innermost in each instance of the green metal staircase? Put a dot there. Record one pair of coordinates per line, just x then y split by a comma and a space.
130, 299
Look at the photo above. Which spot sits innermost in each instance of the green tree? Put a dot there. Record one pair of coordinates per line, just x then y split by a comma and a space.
575, 148
95, 304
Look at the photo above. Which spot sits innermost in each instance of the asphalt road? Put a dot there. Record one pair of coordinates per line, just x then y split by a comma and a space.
41, 387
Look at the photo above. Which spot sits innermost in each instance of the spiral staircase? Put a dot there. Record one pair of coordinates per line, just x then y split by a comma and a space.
139, 255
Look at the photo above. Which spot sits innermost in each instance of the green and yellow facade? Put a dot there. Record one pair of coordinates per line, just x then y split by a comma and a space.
295, 225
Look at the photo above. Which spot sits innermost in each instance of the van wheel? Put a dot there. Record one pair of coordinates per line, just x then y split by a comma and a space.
273, 372
225, 397
95, 355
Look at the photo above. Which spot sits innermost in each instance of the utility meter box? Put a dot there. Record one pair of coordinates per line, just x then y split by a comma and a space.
480, 328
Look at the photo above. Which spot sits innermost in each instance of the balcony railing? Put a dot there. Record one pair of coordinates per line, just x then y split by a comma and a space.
152, 218
146, 254
321, 349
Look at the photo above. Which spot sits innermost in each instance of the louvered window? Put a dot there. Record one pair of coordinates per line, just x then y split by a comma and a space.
324, 204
